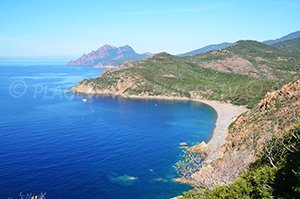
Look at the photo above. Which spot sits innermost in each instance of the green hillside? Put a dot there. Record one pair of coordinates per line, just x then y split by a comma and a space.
167, 75
292, 46
263, 180
252, 58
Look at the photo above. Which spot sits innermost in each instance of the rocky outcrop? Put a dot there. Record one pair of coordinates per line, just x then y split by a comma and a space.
277, 113
287, 92
108, 56
92, 88
201, 149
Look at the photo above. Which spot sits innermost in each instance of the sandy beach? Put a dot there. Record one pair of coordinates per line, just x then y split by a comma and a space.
227, 113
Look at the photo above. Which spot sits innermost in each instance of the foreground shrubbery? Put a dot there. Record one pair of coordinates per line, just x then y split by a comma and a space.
276, 174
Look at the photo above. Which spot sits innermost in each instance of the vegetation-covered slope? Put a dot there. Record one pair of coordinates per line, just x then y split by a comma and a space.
264, 134
292, 46
266, 68
166, 75
253, 59
281, 179
206, 49
293, 35
214, 47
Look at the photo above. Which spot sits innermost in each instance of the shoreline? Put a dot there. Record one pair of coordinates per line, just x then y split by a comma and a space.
226, 113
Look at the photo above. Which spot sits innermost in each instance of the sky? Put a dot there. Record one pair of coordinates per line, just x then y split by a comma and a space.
57, 28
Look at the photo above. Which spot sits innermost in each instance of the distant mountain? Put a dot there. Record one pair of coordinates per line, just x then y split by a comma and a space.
292, 46
108, 56
207, 49
221, 46
290, 36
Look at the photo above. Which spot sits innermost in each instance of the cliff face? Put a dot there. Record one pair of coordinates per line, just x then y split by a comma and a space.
277, 113
108, 56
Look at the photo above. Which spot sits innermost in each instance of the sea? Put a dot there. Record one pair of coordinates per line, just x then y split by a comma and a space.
70, 146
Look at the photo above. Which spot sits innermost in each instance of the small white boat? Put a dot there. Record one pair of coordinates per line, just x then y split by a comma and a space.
183, 144
84, 100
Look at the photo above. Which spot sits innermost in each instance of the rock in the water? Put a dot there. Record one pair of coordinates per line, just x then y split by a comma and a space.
202, 149
124, 180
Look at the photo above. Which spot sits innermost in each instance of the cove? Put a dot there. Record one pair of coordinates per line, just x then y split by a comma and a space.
106, 147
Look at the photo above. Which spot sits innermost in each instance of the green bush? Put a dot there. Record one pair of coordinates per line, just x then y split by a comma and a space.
278, 177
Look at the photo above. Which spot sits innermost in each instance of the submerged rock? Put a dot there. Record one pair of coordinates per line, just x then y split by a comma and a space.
124, 180
161, 180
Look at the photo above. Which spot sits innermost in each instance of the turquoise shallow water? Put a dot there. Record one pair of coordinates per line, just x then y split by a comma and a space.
54, 142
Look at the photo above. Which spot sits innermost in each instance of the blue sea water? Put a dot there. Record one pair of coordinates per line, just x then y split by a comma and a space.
54, 142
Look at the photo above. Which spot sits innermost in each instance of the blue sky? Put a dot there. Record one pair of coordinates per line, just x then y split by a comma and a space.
72, 27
